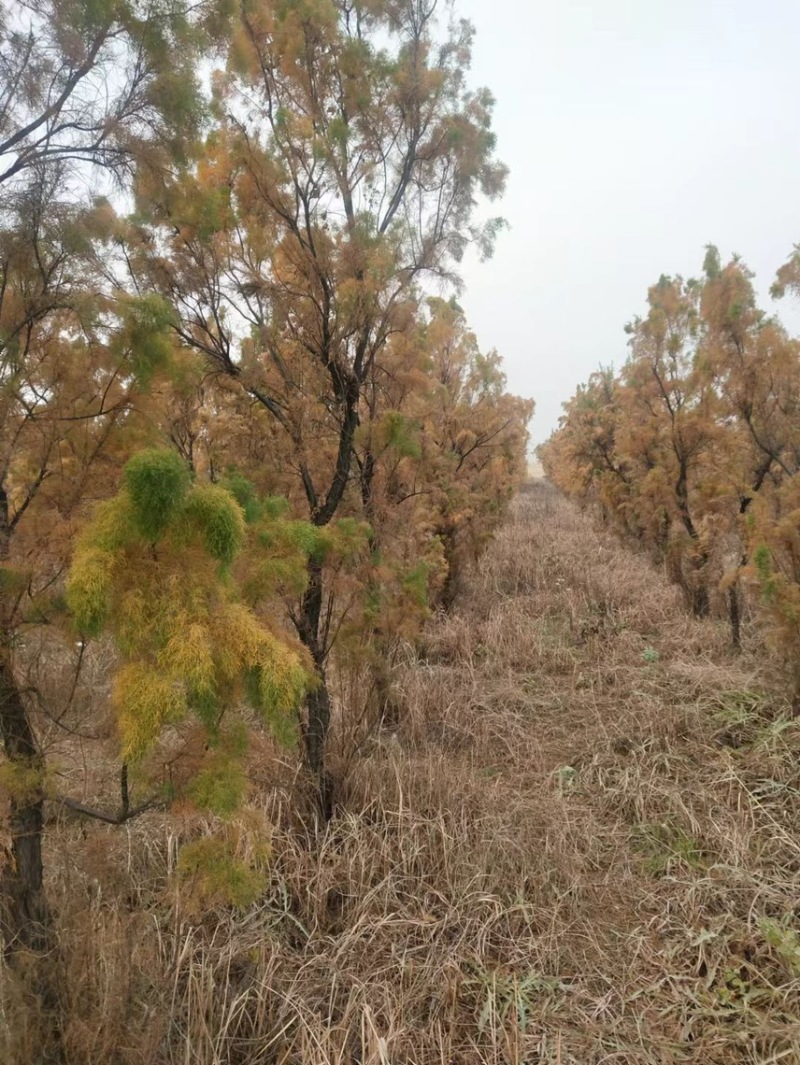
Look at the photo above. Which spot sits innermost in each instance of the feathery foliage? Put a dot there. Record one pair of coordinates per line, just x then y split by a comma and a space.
151, 570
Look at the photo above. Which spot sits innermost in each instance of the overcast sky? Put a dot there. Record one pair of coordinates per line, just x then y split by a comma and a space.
636, 132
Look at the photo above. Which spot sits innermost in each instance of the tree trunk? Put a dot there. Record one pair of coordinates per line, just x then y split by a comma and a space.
452, 580
24, 912
25, 915
318, 702
735, 615
699, 600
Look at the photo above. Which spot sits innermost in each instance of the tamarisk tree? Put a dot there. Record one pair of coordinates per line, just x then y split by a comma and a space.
767, 382
474, 439
342, 172
86, 90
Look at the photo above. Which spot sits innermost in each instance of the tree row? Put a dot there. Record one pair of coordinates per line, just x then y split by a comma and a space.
692, 450
248, 441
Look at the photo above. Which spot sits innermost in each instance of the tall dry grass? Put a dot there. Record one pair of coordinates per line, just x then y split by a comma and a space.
581, 846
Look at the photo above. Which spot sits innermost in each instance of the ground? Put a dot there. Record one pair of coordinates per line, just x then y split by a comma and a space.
581, 846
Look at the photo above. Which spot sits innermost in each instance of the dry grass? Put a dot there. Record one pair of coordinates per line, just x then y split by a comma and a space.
581, 847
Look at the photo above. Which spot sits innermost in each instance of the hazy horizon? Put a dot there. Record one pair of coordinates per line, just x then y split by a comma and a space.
635, 134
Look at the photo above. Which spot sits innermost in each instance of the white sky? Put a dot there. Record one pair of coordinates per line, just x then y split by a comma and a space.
636, 132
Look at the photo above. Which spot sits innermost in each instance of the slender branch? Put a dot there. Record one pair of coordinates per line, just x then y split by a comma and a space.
102, 815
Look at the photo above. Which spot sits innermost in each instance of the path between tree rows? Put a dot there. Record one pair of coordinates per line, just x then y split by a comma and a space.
628, 790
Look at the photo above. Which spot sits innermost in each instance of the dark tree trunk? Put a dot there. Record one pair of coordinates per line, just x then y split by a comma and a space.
347, 388
698, 558
318, 702
318, 705
24, 912
452, 580
25, 915
735, 615
700, 605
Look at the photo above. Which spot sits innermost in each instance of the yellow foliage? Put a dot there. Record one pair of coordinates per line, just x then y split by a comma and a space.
279, 676
89, 587
112, 524
189, 656
144, 701
187, 642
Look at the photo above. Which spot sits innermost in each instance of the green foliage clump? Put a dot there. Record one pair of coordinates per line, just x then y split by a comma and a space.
219, 520
284, 546
400, 433
156, 480
243, 491
213, 875
145, 335
148, 571
346, 539
275, 506
221, 786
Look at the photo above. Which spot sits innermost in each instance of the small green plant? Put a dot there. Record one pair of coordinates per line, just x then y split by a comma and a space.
737, 993
507, 995
566, 776
665, 846
784, 940
650, 654
738, 707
